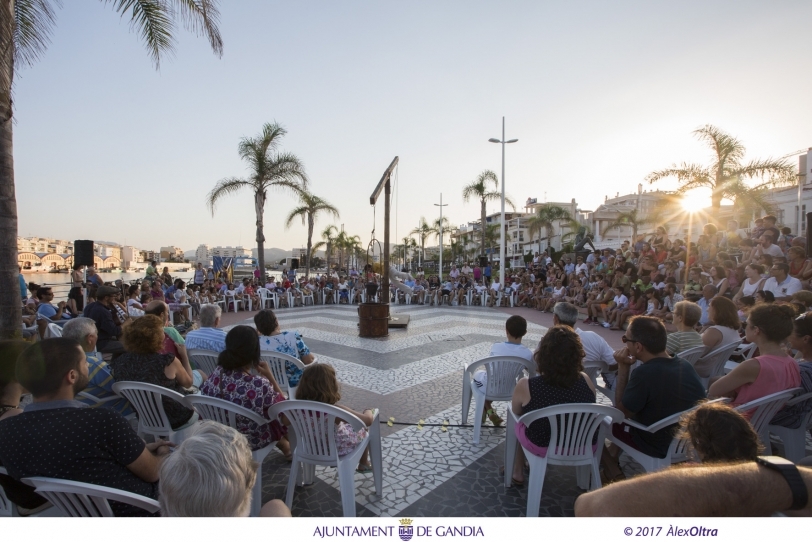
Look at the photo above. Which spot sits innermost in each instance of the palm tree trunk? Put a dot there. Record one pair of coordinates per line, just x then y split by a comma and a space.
259, 207
310, 224
10, 311
482, 223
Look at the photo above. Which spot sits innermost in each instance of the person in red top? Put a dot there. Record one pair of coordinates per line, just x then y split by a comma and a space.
773, 370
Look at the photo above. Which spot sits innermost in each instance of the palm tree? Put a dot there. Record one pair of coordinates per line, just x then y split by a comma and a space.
308, 211
315, 248
436, 227
634, 220
329, 236
268, 169
492, 235
479, 189
546, 217
423, 230
725, 176
25, 31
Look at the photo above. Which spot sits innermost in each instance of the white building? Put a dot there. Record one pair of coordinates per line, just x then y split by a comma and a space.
231, 252
172, 254
203, 255
130, 256
791, 204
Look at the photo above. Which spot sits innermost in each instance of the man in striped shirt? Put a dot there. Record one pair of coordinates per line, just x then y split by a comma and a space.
208, 337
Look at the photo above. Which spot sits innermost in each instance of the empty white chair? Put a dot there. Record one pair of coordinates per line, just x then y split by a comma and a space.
313, 426
762, 411
691, 355
226, 412
573, 427
147, 400
276, 362
206, 360
713, 363
794, 439
502, 373
77, 499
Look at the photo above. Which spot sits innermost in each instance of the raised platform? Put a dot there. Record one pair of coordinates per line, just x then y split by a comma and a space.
398, 320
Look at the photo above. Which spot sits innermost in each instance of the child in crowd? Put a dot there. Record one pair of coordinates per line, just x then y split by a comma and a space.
719, 434
319, 383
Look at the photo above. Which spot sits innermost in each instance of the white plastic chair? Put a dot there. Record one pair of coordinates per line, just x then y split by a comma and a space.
267, 297
572, 430
746, 352
691, 355
763, 410
147, 400
77, 499
503, 372
206, 360
677, 449
276, 362
713, 363
231, 297
313, 425
9, 509
226, 412
307, 293
794, 440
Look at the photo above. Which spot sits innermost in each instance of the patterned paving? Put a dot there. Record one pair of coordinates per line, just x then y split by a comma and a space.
416, 374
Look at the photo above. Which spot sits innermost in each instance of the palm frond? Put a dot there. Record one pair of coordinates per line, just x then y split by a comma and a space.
225, 187
297, 212
152, 19
33, 25
777, 172
685, 173
202, 17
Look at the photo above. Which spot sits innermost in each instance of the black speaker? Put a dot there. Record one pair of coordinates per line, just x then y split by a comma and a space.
483, 261
83, 253
294, 263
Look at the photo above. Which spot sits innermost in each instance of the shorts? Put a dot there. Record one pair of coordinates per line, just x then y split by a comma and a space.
197, 379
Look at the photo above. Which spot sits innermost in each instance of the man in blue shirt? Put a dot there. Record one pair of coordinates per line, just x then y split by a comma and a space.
208, 337
46, 312
23, 285
487, 273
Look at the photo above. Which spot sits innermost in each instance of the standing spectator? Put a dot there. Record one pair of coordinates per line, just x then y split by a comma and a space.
773, 370
200, 275
487, 274
660, 387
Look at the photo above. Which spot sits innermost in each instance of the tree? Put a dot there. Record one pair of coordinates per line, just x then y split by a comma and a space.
329, 236
422, 231
492, 235
725, 176
308, 211
269, 169
633, 219
479, 189
25, 31
546, 218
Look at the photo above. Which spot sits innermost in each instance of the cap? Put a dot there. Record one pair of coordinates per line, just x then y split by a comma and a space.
104, 291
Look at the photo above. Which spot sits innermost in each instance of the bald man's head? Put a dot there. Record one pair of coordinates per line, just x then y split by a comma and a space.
157, 307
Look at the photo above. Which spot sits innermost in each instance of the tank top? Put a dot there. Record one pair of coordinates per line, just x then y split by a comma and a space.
543, 394
750, 289
777, 373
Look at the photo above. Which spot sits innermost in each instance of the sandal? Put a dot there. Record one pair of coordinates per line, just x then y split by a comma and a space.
362, 467
516, 483
494, 418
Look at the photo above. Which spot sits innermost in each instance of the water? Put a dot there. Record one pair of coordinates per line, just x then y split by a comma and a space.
61, 282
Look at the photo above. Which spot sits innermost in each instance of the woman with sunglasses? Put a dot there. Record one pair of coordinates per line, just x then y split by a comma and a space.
773, 370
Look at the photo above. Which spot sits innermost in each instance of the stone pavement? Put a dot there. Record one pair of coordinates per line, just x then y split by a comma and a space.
416, 374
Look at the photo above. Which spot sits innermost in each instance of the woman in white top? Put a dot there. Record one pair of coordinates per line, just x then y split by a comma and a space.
753, 283
134, 308
719, 280
724, 329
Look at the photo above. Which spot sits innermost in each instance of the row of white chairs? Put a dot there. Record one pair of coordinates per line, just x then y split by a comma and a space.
435, 297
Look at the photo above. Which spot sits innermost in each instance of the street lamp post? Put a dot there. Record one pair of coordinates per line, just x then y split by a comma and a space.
440, 205
502, 225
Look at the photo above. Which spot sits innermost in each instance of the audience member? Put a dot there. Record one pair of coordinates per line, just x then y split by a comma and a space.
107, 321
10, 388
208, 337
724, 325
773, 370
597, 352
780, 284
660, 387
686, 317
800, 340
100, 376
719, 434
144, 362
58, 437
273, 339
561, 380
243, 379
211, 474
319, 383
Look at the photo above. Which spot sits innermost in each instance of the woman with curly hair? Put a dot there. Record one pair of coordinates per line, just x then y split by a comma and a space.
559, 359
242, 378
719, 434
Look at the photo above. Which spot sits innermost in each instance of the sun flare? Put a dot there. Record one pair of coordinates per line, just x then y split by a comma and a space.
694, 201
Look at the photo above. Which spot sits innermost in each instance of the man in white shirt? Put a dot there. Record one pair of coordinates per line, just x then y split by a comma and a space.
495, 286
598, 353
515, 329
581, 266
766, 246
454, 273
466, 269
708, 292
780, 283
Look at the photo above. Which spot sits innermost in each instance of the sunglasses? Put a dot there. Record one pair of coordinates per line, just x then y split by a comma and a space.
628, 340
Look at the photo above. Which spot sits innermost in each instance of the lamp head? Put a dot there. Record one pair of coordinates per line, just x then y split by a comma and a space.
494, 140
511, 141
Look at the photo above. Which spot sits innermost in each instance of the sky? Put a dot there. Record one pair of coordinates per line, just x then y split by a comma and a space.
598, 93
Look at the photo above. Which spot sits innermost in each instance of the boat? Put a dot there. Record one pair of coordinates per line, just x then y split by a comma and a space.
60, 269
